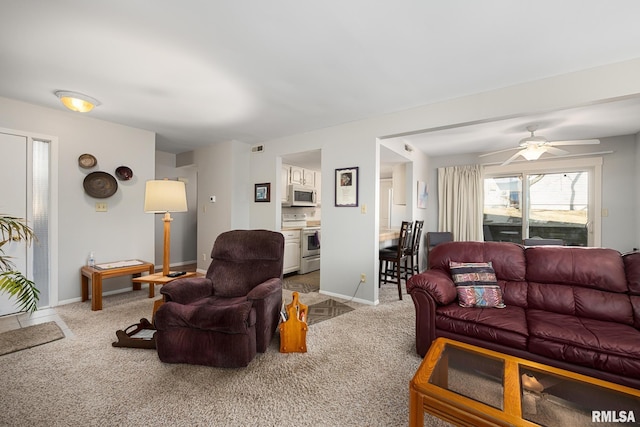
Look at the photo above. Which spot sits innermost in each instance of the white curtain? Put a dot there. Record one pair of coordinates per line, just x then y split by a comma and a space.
460, 194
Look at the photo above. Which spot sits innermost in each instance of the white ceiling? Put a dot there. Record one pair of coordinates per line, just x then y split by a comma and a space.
200, 72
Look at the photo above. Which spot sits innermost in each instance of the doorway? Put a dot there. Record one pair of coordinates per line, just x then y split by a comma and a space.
29, 175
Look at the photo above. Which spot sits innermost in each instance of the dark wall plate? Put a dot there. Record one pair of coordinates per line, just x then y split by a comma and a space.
100, 185
124, 173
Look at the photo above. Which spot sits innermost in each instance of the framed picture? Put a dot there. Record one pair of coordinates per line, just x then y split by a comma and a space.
263, 192
423, 194
347, 187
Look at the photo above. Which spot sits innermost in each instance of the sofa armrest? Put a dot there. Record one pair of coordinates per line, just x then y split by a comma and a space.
187, 290
436, 283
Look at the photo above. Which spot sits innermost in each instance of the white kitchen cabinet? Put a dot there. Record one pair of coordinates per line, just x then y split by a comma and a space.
296, 175
284, 184
309, 178
318, 186
302, 176
291, 251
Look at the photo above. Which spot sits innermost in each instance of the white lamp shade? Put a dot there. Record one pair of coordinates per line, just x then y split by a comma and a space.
533, 152
165, 196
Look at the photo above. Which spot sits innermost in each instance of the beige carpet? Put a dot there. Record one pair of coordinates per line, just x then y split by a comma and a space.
356, 373
28, 337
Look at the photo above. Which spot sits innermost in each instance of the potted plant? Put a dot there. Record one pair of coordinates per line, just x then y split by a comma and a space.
12, 281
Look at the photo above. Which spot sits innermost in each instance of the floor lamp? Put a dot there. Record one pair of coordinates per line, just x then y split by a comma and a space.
164, 196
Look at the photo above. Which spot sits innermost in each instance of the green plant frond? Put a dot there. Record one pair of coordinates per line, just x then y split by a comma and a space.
21, 288
13, 227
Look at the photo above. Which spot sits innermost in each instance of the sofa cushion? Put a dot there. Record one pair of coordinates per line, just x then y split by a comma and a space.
507, 258
602, 345
581, 302
476, 284
632, 269
507, 326
597, 268
234, 318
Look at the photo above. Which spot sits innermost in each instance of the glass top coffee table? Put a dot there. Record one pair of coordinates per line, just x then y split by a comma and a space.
469, 385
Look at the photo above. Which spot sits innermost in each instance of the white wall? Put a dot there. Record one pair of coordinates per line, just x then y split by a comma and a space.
124, 231
184, 226
349, 238
222, 172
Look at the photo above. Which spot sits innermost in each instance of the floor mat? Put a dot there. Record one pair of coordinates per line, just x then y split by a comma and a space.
325, 310
31, 336
304, 288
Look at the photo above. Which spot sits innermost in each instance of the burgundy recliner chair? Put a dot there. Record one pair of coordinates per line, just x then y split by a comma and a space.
222, 319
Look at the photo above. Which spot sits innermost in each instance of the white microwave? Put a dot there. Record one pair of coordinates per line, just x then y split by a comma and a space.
300, 195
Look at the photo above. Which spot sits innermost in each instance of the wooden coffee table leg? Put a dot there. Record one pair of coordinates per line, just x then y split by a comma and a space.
152, 292
416, 409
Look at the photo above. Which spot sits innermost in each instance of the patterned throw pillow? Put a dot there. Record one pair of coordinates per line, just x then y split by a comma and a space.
476, 284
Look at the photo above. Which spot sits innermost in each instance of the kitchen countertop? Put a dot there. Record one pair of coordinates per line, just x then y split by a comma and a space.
388, 234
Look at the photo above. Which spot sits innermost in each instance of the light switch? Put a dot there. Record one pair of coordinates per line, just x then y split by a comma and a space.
605, 212
363, 209
101, 207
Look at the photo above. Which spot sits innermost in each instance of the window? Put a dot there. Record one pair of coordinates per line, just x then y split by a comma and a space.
547, 200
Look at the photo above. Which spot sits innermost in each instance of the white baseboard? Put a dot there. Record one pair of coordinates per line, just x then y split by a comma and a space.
348, 298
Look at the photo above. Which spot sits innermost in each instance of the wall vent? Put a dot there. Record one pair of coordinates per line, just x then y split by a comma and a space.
257, 148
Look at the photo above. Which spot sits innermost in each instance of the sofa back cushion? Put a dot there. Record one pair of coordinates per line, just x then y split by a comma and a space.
243, 259
584, 282
632, 268
507, 259
597, 268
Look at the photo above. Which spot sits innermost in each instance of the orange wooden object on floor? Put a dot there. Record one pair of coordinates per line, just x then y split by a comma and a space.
293, 331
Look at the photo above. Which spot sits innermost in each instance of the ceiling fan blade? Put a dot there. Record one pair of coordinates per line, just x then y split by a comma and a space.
512, 158
576, 142
499, 151
556, 151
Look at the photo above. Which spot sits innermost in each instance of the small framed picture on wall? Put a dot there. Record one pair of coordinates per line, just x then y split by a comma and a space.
347, 187
263, 192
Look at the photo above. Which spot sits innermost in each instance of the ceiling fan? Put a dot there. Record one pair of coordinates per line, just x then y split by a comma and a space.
532, 147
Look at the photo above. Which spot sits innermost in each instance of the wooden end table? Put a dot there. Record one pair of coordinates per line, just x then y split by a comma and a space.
471, 386
159, 279
97, 275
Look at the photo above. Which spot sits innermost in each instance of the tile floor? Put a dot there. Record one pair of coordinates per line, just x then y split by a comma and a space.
21, 320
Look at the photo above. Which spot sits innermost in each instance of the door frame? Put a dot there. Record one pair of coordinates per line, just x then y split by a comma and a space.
53, 202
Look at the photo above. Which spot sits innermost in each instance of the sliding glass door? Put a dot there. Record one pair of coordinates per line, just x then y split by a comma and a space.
550, 205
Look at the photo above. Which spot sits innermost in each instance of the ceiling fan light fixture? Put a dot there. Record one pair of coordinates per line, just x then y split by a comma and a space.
533, 152
75, 101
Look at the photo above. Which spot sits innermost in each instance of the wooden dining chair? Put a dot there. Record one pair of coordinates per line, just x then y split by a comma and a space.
393, 262
414, 255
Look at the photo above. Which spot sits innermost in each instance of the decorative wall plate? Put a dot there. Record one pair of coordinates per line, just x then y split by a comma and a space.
87, 161
124, 173
100, 185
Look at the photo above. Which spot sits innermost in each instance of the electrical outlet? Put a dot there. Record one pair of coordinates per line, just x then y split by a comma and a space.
204, 257
363, 277
101, 207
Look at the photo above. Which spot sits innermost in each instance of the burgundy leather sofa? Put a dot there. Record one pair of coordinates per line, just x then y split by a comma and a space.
570, 307
224, 318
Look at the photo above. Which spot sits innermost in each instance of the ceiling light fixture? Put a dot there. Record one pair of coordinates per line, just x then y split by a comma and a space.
75, 101
533, 152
